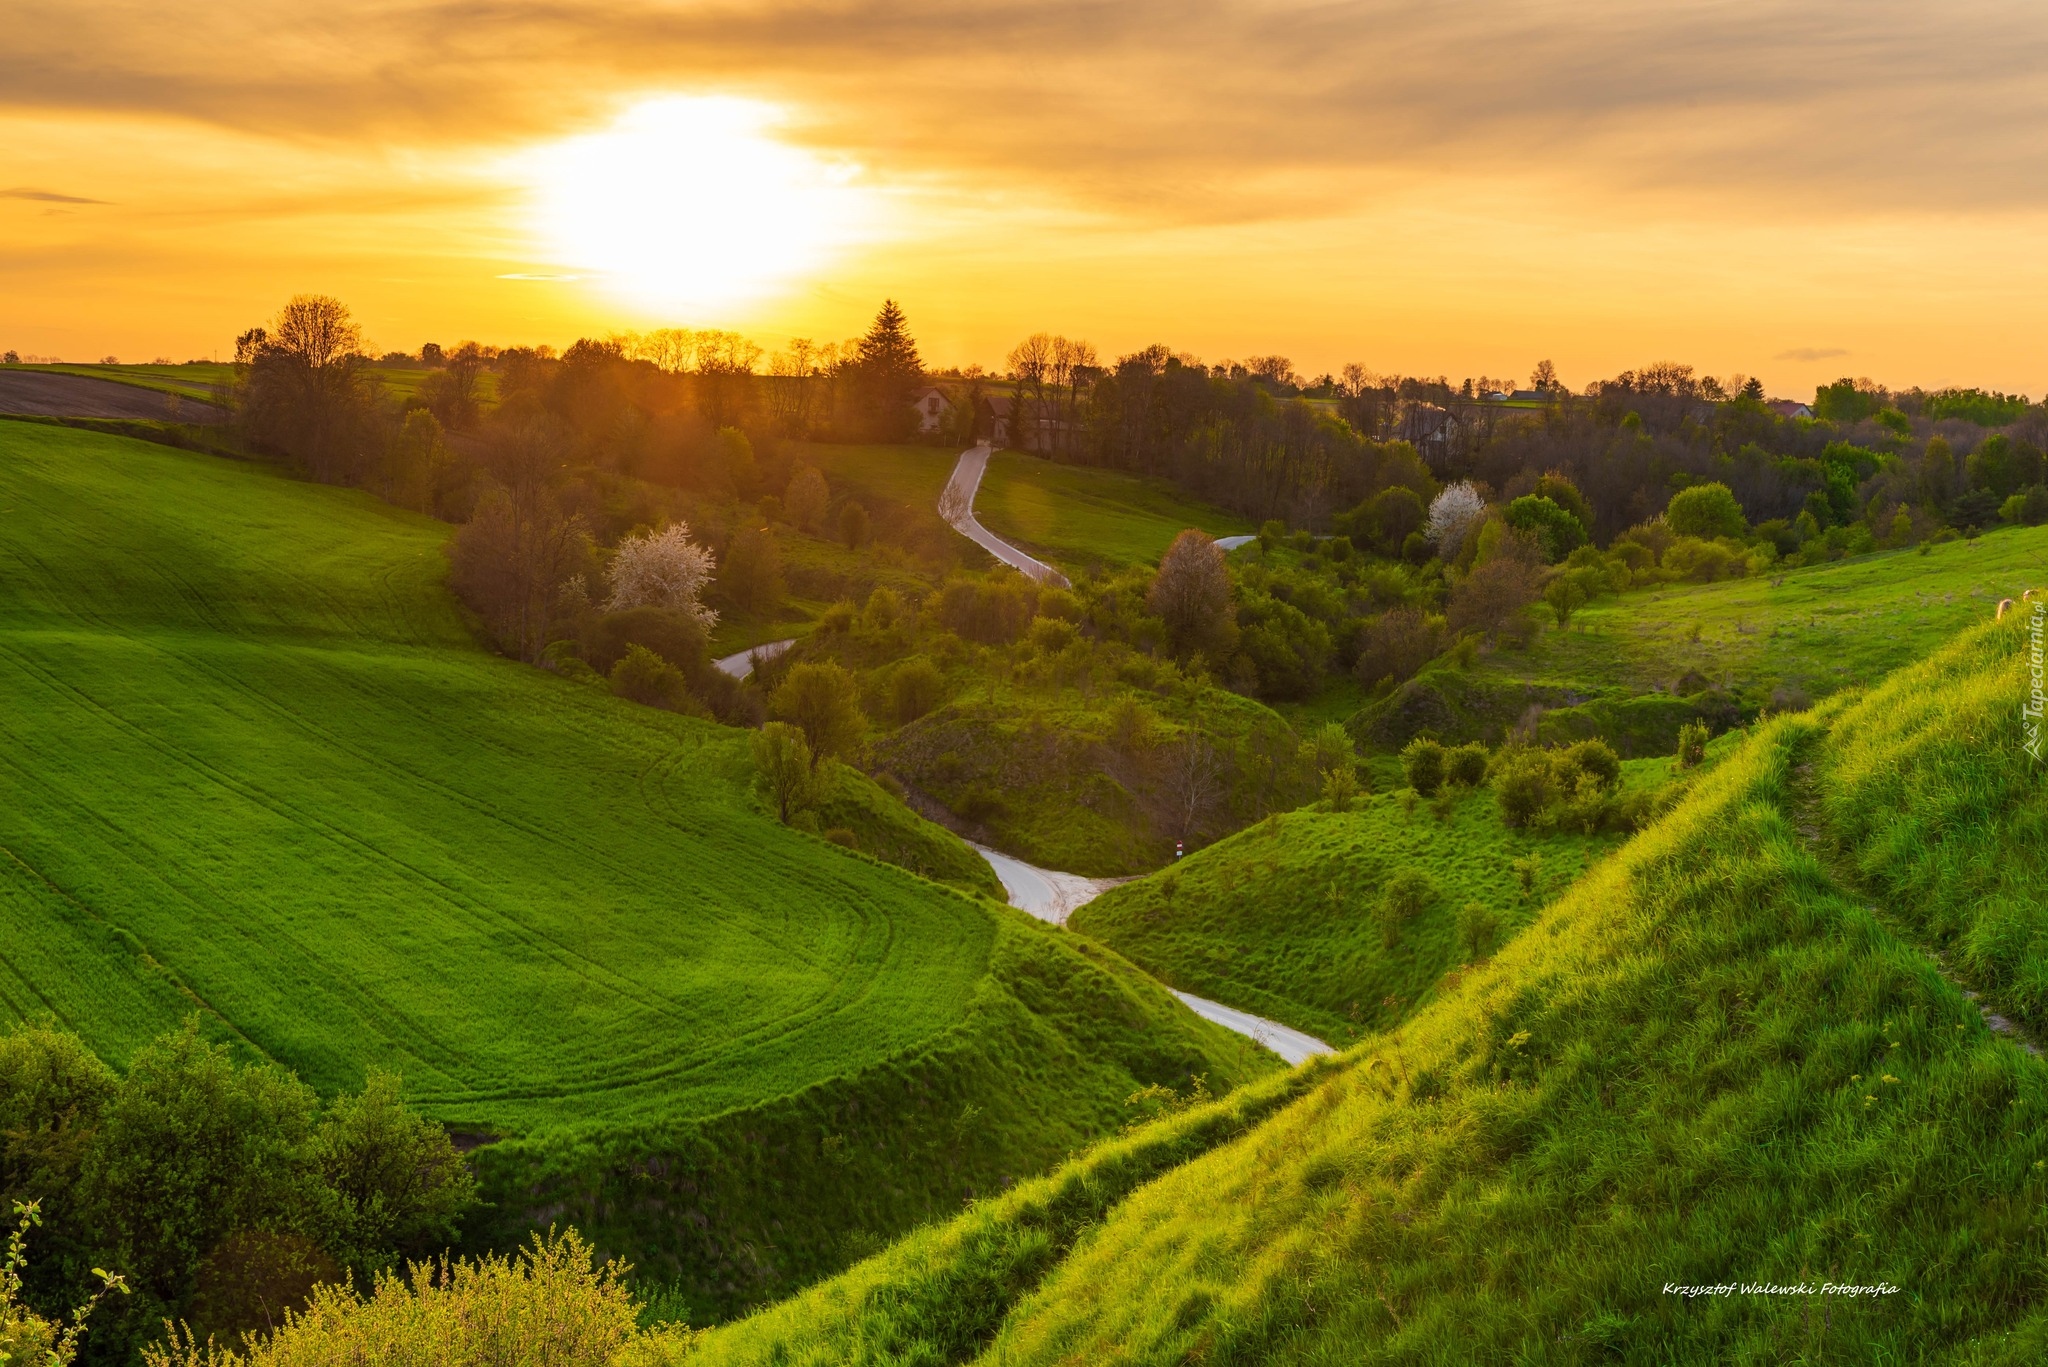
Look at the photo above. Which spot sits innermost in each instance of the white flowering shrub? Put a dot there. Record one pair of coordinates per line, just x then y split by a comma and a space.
1451, 512
663, 569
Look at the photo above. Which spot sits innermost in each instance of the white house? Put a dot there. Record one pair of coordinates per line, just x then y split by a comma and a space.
933, 408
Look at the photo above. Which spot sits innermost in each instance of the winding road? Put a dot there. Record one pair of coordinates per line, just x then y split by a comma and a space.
956, 505
1047, 893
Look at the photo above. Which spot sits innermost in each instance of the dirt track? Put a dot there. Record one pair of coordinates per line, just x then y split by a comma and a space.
75, 396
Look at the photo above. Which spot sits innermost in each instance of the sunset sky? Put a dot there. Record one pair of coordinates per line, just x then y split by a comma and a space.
1794, 191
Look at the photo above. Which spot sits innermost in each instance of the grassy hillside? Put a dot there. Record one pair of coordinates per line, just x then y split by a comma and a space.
1704, 1066
1941, 811
1815, 629
1078, 516
1283, 919
252, 764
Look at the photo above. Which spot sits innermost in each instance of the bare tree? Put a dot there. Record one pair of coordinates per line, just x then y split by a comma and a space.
1194, 781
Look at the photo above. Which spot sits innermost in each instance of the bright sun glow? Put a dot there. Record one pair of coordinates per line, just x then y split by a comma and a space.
690, 205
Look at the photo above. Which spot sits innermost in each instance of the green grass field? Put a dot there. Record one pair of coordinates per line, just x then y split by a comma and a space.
252, 764
1815, 629
1076, 516
1280, 918
1706, 1064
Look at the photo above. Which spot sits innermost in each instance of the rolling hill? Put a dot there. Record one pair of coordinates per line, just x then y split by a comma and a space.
253, 765
1717, 1103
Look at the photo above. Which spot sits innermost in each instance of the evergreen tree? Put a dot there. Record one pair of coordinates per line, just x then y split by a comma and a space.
887, 368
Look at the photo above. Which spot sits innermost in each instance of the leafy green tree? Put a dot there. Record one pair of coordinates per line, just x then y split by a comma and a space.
819, 700
1995, 466
1557, 531
1559, 489
1938, 482
192, 1148
399, 1185
1565, 594
784, 766
1477, 930
1707, 511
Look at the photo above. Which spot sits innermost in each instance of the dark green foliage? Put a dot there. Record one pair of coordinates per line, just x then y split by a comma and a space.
1465, 765
1478, 930
206, 1181
676, 637
1422, 764
1559, 532
644, 677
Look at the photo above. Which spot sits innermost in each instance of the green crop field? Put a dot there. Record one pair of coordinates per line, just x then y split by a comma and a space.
1280, 918
1710, 1062
1815, 629
1076, 516
253, 765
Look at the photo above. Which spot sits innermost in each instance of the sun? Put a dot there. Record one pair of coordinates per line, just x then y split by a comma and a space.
692, 205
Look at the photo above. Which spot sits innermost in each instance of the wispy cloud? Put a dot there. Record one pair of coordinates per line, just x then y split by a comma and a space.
1811, 353
46, 196
1172, 109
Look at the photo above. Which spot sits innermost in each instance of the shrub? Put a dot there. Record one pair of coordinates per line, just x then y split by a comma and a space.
675, 637
1527, 868
1466, 765
1692, 744
842, 837
1706, 511
914, 689
1408, 894
1704, 562
1477, 930
1051, 635
548, 1303
1130, 725
1524, 784
644, 677
1340, 787
1596, 759
1422, 764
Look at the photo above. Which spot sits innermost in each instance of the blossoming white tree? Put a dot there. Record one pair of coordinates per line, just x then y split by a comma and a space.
663, 569
1451, 512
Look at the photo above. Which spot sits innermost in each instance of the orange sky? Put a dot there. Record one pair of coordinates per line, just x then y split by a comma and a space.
1798, 192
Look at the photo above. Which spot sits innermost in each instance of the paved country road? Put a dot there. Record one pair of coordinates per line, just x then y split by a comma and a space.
742, 664
1053, 896
956, 505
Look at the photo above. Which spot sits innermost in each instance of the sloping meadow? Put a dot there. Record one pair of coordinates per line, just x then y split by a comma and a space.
1706, 1108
